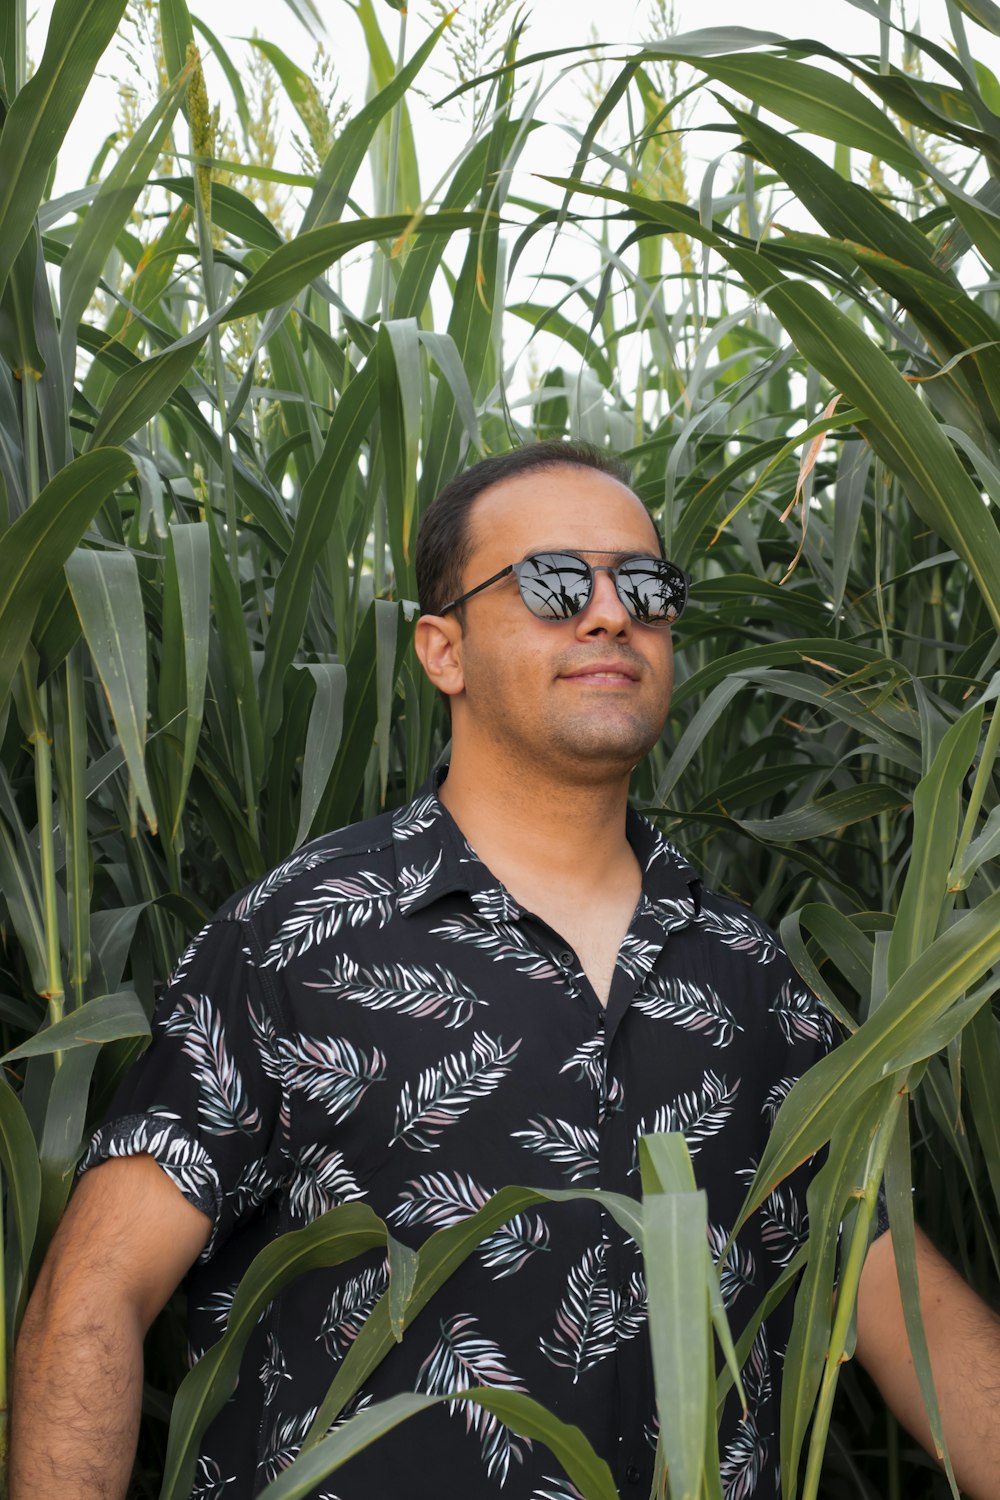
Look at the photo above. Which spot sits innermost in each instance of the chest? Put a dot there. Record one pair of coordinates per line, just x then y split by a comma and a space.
593, 929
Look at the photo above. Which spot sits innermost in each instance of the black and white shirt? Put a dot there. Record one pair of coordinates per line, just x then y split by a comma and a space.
377, 1020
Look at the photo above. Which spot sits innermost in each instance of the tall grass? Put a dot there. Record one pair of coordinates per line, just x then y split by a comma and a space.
214, 452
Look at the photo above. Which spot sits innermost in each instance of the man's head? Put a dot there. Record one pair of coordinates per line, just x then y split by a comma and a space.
584, 696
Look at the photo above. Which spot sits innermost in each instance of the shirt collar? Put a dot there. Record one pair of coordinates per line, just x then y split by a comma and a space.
434, 859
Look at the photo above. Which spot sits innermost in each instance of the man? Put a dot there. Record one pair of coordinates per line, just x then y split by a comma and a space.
507, 981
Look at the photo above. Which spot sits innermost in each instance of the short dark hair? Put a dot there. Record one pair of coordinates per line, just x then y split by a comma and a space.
443, 541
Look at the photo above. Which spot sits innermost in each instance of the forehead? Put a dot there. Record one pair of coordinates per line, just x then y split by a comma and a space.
563, 506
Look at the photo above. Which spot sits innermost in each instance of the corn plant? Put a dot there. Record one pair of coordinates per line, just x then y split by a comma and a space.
216, 440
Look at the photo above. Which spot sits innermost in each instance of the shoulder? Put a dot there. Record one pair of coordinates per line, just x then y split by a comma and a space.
332, 856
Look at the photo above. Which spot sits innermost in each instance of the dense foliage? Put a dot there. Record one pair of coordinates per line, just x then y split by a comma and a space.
218, 430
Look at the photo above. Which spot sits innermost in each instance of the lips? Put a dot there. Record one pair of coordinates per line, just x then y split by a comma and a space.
604, 671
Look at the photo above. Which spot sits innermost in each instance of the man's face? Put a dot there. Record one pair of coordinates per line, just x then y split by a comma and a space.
586, 696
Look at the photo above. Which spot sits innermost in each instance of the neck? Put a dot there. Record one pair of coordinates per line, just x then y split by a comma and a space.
529, 826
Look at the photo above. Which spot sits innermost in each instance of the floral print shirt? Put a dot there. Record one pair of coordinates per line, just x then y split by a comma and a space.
378, 1021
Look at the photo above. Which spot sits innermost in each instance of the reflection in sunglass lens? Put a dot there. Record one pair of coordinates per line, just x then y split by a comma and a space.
555, 585
651, 591
558, 585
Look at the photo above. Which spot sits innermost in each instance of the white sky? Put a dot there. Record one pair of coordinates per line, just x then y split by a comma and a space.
554, 23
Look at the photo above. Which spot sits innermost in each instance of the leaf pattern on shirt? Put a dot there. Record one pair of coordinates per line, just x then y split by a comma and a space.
219, 1303
775, 1097
438, 1198
574, 1147
505, 1250
757, 1370
671, 913
319, 1181
695, 1007
496, 905
587, 1062
782, 1225
461, 1359
743, 1462
183, 964
636, 956
310, 858
425, 992
742, 932
351, 901
629, 1307
333, 1073
349, 1307
223, 1104
445, 1198
253, 1187
698, 1113
208, 1481
284, 1441
556, 1489
502, 941
415, 880
263, 1031
274, 1369
416, 818
160, 1135
584, 1330
801, 1016
445, 1092
739, 1272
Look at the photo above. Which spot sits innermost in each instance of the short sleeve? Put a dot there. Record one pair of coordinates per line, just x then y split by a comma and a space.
205, 1099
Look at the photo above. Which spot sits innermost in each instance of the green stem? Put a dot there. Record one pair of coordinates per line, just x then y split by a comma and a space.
984, 775
397, 126
847, 1293
39, 739
20, 47
29, 411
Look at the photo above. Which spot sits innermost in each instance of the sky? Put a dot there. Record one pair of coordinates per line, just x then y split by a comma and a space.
553, 23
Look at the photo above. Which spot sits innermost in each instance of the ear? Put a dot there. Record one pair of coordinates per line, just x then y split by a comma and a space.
437, 641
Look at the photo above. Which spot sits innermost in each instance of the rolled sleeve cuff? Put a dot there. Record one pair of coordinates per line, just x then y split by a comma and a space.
175, 1151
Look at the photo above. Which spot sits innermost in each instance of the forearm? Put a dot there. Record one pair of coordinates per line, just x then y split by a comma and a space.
963, 1337
76, 1401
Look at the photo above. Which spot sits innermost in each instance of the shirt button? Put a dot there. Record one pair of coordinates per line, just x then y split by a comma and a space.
633, 1474
566, 958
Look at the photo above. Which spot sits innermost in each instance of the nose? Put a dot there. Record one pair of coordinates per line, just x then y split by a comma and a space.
605, 613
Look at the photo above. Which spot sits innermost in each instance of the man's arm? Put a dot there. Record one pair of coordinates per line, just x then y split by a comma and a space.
127, 1238
963, 1338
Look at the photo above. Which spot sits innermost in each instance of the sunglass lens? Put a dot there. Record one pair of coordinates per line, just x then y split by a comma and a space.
652, 591
554, 585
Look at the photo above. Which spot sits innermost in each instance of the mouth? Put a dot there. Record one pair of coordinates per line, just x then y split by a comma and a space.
614, 674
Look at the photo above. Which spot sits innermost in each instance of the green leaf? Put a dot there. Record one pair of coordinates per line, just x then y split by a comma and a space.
981, 1061
321, 496
936, 811
911, 1023
19, 1156
827, 815
676, 1226
334, 1237
815, 100
292, 266
96, 234
41, 540
139, 395
105, 589
79, 31
177, 36
323, 736
587, 1472
109, 1018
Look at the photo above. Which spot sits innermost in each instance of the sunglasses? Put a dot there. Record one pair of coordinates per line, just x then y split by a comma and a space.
559, 586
